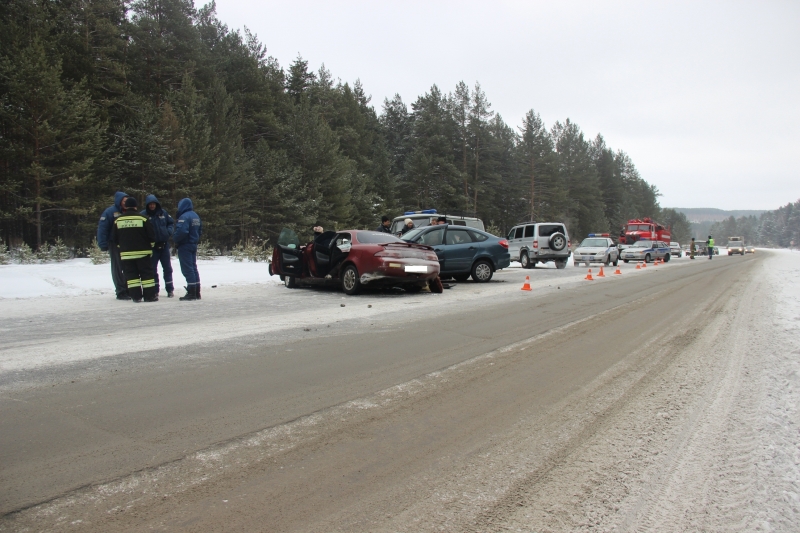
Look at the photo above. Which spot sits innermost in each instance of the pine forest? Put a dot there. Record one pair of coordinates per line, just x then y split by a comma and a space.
159, 97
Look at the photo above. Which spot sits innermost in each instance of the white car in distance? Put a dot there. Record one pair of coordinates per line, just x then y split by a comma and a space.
596, 248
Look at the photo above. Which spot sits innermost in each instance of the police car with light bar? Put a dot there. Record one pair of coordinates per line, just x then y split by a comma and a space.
596, 248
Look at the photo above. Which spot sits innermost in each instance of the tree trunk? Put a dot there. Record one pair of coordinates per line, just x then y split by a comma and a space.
532, 181
38, 179
477, 159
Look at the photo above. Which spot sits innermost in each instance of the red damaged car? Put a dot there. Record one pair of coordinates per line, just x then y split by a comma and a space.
354, 259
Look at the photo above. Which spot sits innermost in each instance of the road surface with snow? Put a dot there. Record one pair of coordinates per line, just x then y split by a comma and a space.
664, 399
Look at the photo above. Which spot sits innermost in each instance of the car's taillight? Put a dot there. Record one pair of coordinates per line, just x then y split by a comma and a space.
569, 244
389, 253
535, 243
503, 243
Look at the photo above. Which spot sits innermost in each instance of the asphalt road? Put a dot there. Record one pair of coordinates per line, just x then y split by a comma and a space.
312, 416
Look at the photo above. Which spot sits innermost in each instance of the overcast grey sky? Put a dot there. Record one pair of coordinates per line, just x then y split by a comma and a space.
703, 96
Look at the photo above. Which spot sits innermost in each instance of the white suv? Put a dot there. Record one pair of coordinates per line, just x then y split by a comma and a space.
539, 242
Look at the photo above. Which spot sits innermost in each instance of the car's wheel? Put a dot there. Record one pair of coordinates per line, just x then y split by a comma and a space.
667, 258
558, 241
625, 260
461, 277
561, 263
482, 271
524, 260
290, 282
351, 283
647, 258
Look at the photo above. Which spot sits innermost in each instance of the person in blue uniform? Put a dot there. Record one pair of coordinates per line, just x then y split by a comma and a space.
187, 235
104, 228
164, 227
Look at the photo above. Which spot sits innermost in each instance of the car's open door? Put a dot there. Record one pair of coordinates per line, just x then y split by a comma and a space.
322, 254
288, 260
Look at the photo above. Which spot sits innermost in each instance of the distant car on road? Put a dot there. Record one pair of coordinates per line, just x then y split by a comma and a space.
463, 252
750, 250
647, 251
736, 246
597, 248
353, 259
675, 249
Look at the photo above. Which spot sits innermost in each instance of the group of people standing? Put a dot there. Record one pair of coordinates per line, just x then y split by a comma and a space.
408, 224
138, 241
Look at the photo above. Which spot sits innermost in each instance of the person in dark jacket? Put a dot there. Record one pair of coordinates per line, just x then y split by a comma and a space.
164, 227
135, 237
385, 226
104, 228
408, 225
186, 237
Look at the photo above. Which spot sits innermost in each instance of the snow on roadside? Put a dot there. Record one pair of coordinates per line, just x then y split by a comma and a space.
79, 277
779, 464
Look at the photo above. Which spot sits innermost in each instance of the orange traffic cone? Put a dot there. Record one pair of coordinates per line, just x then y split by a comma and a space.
601, 274
589, 275
527, 285
644, 264
638, 266
618, 271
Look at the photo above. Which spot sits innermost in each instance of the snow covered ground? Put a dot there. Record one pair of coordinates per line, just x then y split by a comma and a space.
724, 458
78, 277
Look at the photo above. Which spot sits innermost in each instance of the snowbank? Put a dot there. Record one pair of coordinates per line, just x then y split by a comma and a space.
78, 277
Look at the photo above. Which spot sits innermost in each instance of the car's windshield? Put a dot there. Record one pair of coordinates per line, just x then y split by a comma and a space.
639, 227
374, 237
643, 244
594, 243
288, 238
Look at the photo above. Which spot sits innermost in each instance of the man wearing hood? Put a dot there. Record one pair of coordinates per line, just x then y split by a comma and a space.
186, 237
104, 229
164, 227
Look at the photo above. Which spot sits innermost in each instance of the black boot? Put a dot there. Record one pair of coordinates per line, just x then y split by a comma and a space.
197, 290
190, 294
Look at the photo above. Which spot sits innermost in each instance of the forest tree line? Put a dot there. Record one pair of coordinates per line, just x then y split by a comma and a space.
775, 229
156, 96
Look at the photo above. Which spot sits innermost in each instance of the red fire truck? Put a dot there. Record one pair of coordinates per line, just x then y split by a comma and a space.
644, 229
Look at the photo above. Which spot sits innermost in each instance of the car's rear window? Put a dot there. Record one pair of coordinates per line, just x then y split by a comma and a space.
545, 230
477, 237
375, 237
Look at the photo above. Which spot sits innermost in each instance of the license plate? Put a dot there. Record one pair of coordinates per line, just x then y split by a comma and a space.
414, 268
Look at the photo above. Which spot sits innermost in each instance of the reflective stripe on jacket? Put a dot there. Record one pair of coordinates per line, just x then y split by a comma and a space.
134, 236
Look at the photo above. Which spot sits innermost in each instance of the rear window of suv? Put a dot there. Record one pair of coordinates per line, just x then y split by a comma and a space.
545, 230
